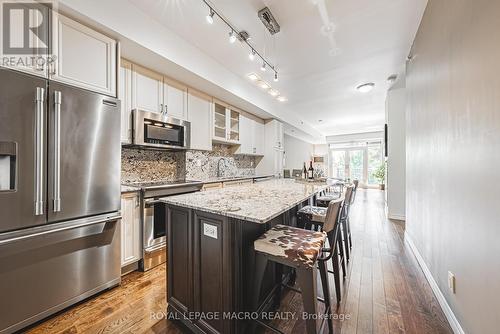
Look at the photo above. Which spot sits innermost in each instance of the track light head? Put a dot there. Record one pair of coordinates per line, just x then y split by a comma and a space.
251, 56
210, 16
263, 67
232, 37
276, 76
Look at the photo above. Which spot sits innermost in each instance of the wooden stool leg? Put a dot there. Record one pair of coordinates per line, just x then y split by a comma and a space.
336, 274
323, 271
307, 281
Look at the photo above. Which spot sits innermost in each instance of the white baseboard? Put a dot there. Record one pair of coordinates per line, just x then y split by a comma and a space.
396, 217
455, 325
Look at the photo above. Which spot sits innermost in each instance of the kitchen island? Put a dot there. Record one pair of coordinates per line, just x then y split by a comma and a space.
210, 250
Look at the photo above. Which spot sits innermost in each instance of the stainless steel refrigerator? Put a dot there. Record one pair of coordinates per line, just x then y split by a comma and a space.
59, 197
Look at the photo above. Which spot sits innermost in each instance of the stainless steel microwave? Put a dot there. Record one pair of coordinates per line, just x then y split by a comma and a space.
160, 131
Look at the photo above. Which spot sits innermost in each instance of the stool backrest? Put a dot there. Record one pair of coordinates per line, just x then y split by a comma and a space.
356, 183
286, 173
348, 193
332, 215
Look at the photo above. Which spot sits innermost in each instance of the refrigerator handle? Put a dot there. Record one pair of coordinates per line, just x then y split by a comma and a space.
57, 151
39, 101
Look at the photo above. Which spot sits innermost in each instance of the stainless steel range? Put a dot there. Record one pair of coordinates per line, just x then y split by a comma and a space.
154, 217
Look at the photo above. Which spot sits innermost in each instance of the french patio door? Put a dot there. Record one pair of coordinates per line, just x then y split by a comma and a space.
357, 163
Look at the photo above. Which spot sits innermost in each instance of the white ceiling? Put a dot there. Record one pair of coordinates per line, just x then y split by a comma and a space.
372, 40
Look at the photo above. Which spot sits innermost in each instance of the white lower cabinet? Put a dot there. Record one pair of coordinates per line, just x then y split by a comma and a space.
131, 250
200, 116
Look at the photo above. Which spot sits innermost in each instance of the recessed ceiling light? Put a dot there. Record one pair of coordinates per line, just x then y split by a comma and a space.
282, 99
365, 88
264, 85
253, 76
392, 78
274, 92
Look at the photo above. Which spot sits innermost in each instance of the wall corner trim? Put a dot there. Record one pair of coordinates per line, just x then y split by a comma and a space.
455, 325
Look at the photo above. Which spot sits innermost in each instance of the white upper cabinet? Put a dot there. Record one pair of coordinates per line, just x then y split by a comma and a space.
226, 124
131, 250
246, 135
251, 136
200, 116
125, 96
85, 57
34, 62
175, 99
276, 133
259, 135
147, 89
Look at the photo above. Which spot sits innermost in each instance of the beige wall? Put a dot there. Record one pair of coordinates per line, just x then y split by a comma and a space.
453, 155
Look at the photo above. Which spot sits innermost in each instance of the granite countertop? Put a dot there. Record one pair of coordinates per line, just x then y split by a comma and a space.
256, 202
129, 189
234, 178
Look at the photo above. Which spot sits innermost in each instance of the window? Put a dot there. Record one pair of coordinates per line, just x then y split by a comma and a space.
356, 161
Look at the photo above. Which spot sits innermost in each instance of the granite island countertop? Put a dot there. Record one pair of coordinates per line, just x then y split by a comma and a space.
235, 178
256, 202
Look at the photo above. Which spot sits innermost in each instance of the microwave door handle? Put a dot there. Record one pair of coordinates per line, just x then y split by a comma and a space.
39, 99
57, 151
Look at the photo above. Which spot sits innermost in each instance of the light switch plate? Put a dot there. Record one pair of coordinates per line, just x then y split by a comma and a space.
451, 281
210, 230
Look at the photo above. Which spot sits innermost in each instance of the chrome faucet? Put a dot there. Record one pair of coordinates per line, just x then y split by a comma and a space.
219, 172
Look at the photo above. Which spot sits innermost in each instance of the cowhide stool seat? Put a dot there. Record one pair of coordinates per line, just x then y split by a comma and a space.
304, 251
325, 199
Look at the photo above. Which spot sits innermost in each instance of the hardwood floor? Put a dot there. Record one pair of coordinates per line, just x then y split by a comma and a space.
385, 290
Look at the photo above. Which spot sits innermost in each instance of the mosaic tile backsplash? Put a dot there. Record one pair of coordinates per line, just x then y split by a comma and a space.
150, 165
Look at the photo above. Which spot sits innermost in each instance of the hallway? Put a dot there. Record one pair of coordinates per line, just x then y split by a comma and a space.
385, 290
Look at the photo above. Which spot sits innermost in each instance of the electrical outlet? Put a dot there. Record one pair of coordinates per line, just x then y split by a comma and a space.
451, 281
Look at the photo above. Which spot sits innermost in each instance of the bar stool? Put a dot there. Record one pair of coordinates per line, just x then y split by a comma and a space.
302, 250
312, 218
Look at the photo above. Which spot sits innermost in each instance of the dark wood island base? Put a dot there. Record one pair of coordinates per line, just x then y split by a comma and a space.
210, 269
211, 256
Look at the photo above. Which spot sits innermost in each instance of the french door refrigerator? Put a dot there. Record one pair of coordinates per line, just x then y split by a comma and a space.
59, 197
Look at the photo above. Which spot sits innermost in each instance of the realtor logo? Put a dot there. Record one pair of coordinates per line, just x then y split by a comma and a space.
25, 27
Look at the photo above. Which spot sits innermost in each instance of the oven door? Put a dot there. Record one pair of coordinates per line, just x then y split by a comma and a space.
154, 225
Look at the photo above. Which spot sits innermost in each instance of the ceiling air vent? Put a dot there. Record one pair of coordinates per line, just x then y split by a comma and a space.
269, 21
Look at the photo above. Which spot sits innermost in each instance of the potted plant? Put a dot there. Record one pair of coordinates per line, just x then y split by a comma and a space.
379, 174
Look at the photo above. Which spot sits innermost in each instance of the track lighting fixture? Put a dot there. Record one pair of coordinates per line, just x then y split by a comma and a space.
275, 76
210, 16
263, 67
232, 37
251, 56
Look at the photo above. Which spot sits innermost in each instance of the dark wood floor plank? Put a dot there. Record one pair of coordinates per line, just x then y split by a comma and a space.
385, 290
